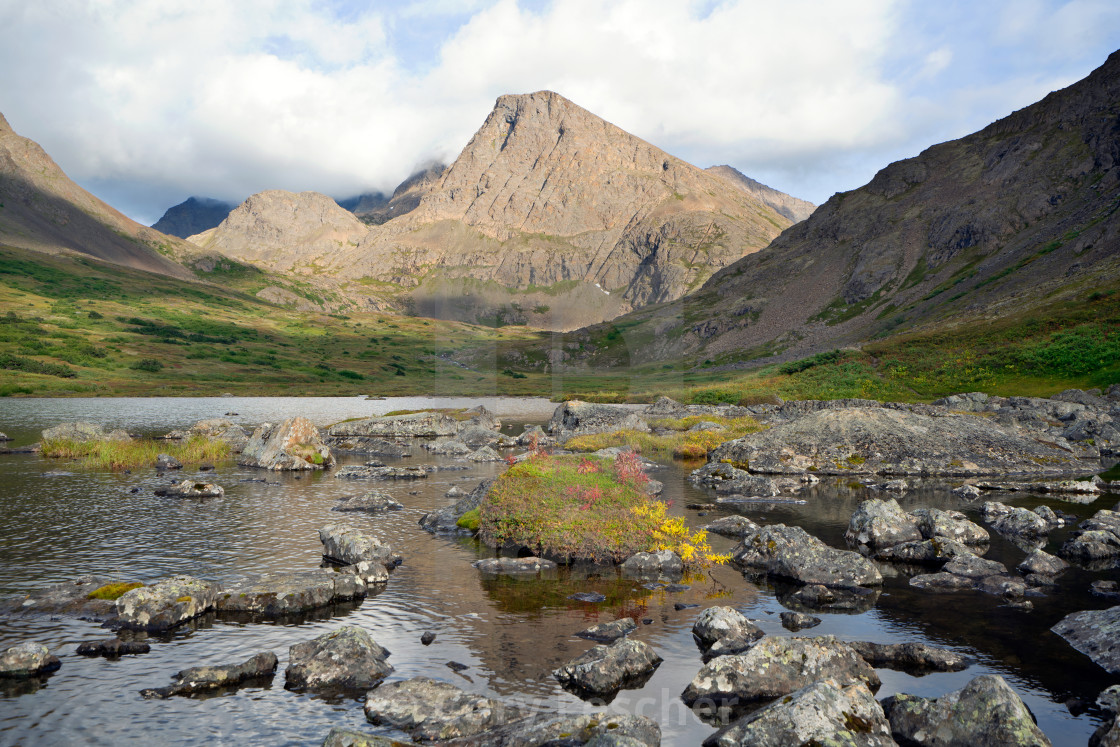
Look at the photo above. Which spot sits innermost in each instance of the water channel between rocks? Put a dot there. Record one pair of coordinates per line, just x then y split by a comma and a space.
60, 521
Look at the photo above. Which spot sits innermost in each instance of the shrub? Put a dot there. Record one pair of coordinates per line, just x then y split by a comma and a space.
151, 365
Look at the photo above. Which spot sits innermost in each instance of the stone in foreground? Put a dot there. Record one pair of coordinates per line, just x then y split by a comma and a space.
792, 553
343, 659
1095, 633
295, 444
166, 604
430, 710
604, 670
777, 666
27, 660
825, 712
985, 713
203, 679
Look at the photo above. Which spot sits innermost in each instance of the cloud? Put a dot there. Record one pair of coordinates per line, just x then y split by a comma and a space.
153, 101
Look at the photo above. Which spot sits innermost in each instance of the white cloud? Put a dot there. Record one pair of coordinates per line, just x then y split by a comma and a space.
152, 100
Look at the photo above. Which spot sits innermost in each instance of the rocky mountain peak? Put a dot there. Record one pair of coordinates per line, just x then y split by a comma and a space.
791, 207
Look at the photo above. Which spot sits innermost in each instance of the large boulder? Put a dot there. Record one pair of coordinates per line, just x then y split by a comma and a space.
1094, 633
428, 424
792, 553
949, 525
577, 418
166, 604
27, 660
203, 679
937, 551
429, 710
604, 670
1014, 521
881, 523
82, 431
727, 479
825, 712
220, 429
281, 594
895, 441
348, 546
777, 666
381, 472
294, 444
343, 659
1097, 538
371, 446
986, 713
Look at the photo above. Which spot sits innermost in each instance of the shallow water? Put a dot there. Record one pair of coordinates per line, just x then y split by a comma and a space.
510, 634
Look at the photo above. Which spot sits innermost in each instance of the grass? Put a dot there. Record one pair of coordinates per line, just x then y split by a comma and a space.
121, 455
682, 444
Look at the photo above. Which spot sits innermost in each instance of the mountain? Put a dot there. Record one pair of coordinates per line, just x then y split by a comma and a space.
991, 225
193, 215
365, 203
550, 216
791, 207
43, 210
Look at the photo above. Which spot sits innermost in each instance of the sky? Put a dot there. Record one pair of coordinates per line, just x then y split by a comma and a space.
147, 102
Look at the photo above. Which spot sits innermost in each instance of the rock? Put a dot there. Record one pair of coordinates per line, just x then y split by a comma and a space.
986, 712
604, 670
348, 546
371, 572
881, 523
950, 525
825, 712
429, 710
446, 519
1042, 563
935, 550
166, 604
792, 553
716, 623
1108, 589
77, 431
1108, 734
455, 492
912, 658
664, 564
594, 730
220, 429
354, 472
514, 566
894, 441
777, 666
448, 447
75, 598
725, 478
1013, 521
166, 461
111, 648
340, 737
534, 434
1099, 537
732, 643
1094, 633
485, 454
5, 437
609, 632
204, 679
426, 424
974, 567
795, 621
343, 659
192, 489
476, 436
732, 526
591, 597
295, 444
373, 502
27, 660
942, 582
369, 445
280, 594
576, 418
427, 638
966, 492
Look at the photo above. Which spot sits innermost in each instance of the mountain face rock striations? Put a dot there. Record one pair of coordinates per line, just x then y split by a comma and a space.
791, 207
193, 215
550, 216
987, 225
43, 210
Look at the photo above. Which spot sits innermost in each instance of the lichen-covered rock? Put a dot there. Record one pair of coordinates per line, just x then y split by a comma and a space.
973, 566
936, 551
112, 648
950, 525
604, 670
726, 478
485, 454
448, 447
27, 660
476, 436
191, 489
166, 604
294, 444
340, 737
1097, 538
204, 679
76, 431
986, 712
1015, 521
577, 418
912, 658
277, 595
732, 526
368, 445
1108, 734
715, 623
664, 564
825, 712
1094, 633
343, 659
346, 545
373, 502
514, 566
426, 424
609, 632
1042, 563
881, 523
446, 519
430, 710
819, 598
78, 598
795, 621
593, 730
792, 553
220, 429
774, 667
374, 472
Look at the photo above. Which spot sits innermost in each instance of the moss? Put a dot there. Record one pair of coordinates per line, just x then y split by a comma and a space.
856, 459
469, 520
111, 592
184, 598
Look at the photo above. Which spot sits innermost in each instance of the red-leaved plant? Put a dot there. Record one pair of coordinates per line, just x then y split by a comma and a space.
628, 468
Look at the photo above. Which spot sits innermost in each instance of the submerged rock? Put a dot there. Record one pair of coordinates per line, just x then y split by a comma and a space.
912, 658
112, 648
609, 632
294, 444
791, 552
191, 489
374, 502
346, 545
604, 670
825, 712
986, 712
1094, 633
166, 604
204, 679
777, 666
280, 594
726, 478
430, 710
343, 659
27, 660
819, 598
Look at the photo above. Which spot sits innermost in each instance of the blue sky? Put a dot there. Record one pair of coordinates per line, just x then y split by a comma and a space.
146, 102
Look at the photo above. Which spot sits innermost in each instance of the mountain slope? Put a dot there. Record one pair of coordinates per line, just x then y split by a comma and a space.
791, 207
550, 216
43, 210
193, 215
989, 225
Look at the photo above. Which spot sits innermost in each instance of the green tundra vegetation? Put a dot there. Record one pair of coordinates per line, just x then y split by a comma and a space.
121, 455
